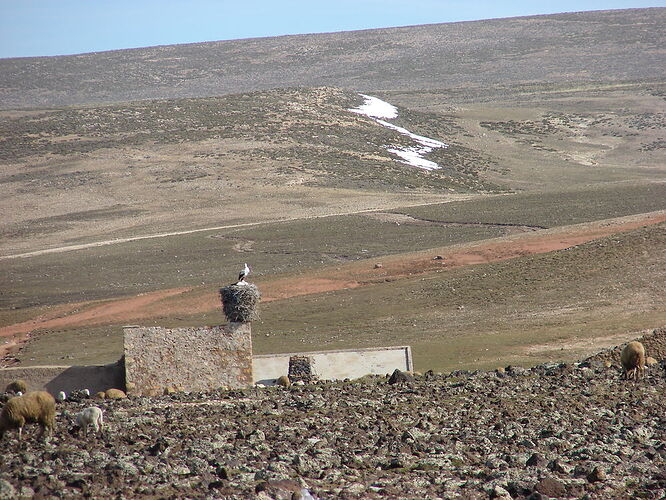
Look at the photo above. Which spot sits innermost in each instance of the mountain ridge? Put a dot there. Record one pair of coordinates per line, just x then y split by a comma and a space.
599, 45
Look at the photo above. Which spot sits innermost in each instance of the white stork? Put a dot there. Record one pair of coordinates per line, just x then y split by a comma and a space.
243, 274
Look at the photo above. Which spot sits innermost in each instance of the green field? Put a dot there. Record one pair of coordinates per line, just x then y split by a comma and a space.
551, 209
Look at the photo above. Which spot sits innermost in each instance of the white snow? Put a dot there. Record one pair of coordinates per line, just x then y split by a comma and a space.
376, 108
413, 155
426, 141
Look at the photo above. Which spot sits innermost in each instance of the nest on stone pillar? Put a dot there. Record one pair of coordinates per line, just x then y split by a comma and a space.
239, 302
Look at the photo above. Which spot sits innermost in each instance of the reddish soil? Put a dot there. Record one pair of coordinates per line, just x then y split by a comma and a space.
364, 273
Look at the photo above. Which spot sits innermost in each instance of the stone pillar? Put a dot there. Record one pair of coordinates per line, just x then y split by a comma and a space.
189, 359
302, 368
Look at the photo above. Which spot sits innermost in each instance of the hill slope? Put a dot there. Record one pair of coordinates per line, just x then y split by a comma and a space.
72, 174
622, 45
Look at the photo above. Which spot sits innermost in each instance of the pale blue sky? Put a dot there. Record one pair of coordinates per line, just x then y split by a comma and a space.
56, 27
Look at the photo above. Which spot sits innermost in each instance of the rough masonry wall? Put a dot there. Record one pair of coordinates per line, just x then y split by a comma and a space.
189, 359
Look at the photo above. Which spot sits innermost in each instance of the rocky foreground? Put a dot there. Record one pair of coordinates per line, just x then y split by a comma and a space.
560, 431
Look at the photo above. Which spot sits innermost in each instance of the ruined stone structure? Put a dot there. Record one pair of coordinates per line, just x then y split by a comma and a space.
302, 368
337, 364
190, 359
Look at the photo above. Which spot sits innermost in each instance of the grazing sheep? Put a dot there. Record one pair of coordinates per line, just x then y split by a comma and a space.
633, 360
90, 416
17, 386
115, 394
32, 407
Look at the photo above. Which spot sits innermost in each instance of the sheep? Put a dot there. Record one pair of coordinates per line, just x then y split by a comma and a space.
17, 386
36, 406
115, 394
90, 416
633, 360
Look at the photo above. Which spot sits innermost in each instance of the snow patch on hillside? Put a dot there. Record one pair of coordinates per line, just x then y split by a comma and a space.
412, 155
376, 108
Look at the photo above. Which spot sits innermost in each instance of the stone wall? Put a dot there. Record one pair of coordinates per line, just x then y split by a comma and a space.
67, 378
189, 359
338, 364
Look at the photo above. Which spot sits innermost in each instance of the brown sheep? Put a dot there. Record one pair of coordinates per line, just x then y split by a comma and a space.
17, 386
32, 407
633, 360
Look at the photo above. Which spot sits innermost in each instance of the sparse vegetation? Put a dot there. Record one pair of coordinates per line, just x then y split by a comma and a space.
579, 142
290, 181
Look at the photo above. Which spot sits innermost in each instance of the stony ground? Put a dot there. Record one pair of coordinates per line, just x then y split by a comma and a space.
654, 342
558, 430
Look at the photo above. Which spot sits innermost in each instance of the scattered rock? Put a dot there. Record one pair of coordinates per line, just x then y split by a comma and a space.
500, 493
582, 430
536, 460
551, 487
597, 474
7, 490
283, 381
284, 489
399, 377
560, 467
158, 447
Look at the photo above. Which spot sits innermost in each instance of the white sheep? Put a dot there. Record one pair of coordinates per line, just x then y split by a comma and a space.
90, 416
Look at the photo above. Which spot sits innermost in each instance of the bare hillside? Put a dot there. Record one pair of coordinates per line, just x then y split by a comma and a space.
620, 45
109, 171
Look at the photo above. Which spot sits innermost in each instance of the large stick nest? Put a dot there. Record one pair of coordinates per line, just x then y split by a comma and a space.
239, 302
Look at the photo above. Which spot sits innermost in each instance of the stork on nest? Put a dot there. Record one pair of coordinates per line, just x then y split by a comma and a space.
243, 274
